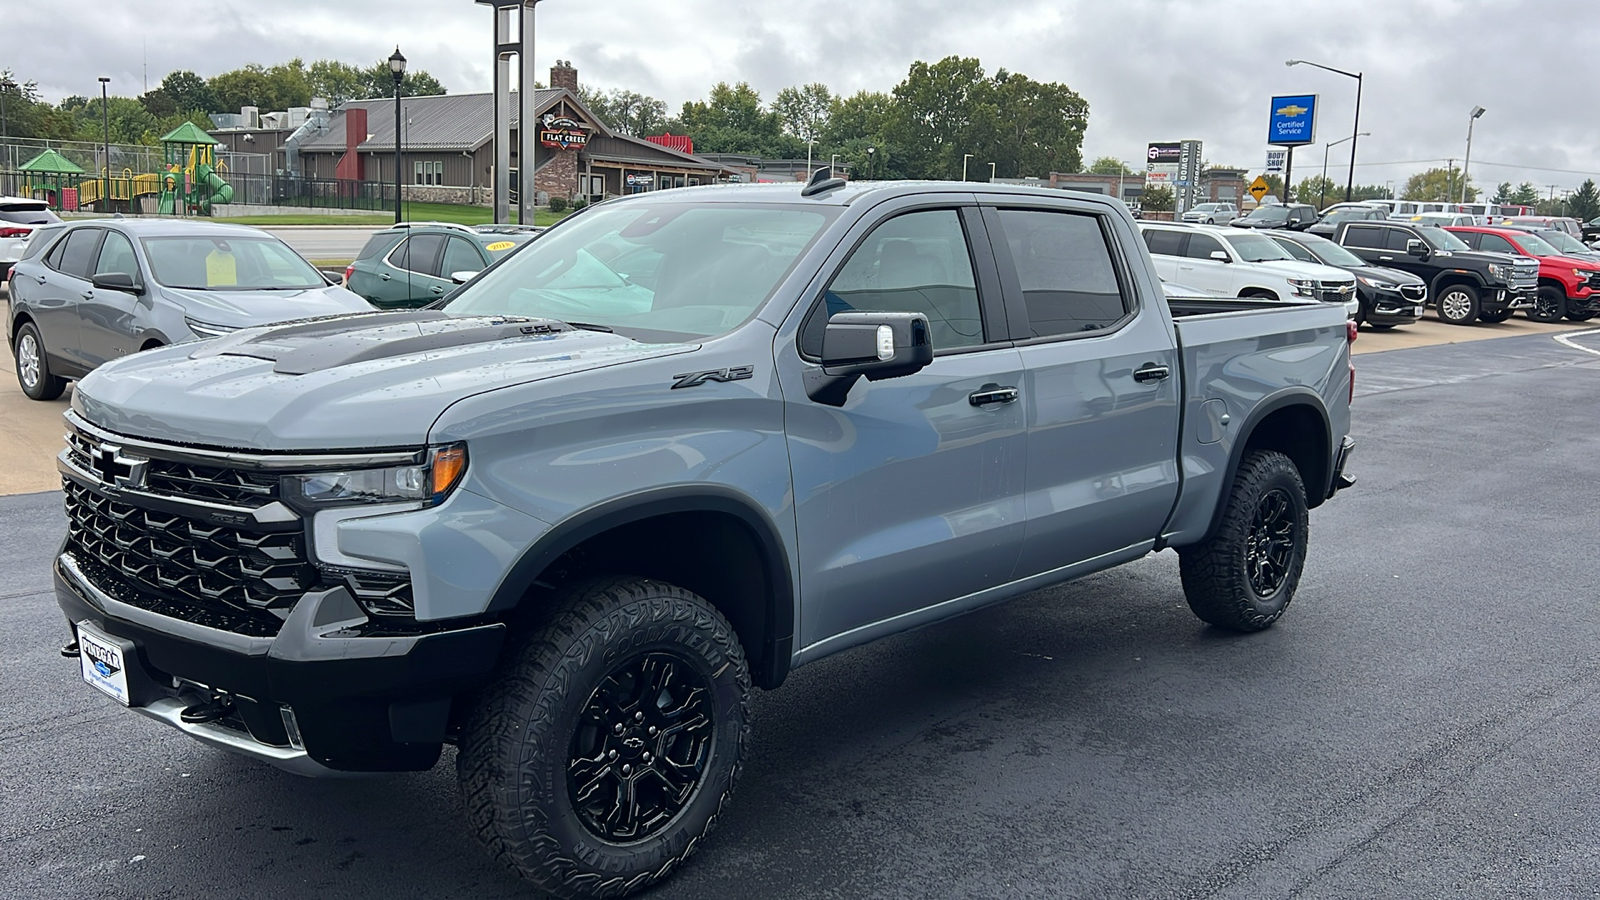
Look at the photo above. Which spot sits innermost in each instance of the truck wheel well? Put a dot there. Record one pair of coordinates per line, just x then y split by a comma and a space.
1299, 433
1450, 280
714, 554
1553, 283
1258, 292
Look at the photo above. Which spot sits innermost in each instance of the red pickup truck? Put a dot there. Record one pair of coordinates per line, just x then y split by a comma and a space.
1568, 286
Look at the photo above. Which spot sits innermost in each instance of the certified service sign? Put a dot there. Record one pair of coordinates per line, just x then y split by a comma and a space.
1294, 121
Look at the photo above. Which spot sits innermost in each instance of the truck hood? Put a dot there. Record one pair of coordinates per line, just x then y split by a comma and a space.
350, 382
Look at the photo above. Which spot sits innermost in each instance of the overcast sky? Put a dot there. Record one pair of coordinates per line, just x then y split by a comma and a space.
1151, 70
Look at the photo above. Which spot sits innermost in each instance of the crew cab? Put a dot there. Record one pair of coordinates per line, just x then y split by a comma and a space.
1467, 285
683, 443
1238, 263
1568, 286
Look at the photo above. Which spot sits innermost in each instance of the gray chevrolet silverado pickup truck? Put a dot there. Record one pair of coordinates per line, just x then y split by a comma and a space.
681, 444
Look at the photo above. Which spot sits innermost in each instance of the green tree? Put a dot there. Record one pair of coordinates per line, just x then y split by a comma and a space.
1156, 199
416, 83
24, 114
1029, 127
1318, 191
1584, 203
934, 114
339, 82
803, 111
1109, 165
1443, 185
629, 112
128, 119
188, 92
732, 120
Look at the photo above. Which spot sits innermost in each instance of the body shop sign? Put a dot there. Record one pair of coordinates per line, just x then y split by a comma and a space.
562, 132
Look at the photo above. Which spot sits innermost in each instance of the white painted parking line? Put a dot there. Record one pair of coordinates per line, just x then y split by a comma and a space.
1567, 341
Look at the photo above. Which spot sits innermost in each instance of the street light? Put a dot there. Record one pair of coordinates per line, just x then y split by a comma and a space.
397, 68
809, 142
1477, 111
1355, 129
1325, 148
964, 158
105, 117
870, 151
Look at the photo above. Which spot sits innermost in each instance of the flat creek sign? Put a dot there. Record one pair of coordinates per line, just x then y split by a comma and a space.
562, 132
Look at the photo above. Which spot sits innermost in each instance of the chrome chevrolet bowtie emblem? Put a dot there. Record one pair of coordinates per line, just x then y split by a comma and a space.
116, 470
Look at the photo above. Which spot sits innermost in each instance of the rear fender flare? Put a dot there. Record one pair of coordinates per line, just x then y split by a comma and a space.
1283, 399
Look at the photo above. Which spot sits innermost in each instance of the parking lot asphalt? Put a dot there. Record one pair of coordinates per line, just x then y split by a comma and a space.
1424, 722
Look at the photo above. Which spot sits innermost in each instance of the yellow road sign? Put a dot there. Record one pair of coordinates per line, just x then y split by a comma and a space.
1259, 188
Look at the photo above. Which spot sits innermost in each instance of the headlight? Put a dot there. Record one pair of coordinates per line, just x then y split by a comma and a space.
1304, 287
1501, 271
429, 482
1584, 273
1376, 284
206, 330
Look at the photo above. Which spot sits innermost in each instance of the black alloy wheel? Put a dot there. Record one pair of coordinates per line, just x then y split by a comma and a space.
639, 753
1270, 544
1549, 305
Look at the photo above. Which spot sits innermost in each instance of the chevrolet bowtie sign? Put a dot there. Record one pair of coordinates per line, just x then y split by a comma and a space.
1293, 121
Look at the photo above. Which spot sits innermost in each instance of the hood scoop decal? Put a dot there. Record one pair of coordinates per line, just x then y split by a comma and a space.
322, 344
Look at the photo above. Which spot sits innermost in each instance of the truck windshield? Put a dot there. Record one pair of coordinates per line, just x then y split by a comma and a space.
1564, 242
1535, 246
1270, 214
1255, 248
1439, 239
652, 271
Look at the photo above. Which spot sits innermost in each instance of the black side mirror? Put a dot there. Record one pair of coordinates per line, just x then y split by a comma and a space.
876, 345
116, 281
1416, 247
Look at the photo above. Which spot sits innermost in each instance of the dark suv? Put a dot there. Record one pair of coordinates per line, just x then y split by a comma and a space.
416, 263
1467, 285
1293, 216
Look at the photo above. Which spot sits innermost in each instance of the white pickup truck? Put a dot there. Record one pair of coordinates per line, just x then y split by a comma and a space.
1239, 263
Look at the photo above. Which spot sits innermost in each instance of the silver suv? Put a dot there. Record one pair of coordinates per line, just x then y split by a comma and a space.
1212, 213
88, 292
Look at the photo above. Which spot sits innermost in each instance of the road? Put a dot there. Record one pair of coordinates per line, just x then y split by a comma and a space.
325, 242
1424, 722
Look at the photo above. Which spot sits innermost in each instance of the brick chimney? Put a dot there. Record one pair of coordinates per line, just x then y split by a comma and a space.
563, 75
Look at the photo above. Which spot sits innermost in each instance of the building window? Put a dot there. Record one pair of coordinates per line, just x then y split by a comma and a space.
429, 171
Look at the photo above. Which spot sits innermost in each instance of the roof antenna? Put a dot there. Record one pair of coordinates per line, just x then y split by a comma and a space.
821, 181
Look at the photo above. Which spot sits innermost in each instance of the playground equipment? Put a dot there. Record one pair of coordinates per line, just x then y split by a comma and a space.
192, 183
54, 179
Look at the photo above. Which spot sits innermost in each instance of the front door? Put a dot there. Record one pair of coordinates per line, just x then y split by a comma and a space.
60, 291
910, 494
108, 320
411, 273
1100, 389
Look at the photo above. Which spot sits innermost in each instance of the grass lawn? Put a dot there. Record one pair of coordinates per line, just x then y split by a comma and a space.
414, 212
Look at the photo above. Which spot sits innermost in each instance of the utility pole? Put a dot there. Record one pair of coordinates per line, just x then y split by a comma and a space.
1450, 179
105, 115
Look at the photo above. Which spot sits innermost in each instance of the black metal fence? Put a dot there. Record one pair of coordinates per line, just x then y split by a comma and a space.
312, 193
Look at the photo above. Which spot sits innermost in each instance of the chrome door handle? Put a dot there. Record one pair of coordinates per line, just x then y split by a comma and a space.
1387, 258
40, 278
992, 393
1150, 372
384, 277
436, 289
87, 295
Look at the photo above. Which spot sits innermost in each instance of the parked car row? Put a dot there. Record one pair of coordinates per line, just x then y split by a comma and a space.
87, 292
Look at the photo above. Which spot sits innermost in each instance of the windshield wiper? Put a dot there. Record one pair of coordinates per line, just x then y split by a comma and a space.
590, 326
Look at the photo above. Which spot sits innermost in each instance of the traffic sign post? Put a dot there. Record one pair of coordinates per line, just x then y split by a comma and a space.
1259, 187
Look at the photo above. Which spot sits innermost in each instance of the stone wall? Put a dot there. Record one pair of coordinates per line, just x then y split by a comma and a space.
459, 196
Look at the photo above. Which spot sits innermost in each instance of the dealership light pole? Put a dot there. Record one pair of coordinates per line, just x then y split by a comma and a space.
964, 158
809, 142
1325, 148
1477, 111
1355, 130
870, 152
397, 68
991, 172
105, 118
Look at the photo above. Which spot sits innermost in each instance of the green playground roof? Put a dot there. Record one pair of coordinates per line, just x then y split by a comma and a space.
51, 163
187, 133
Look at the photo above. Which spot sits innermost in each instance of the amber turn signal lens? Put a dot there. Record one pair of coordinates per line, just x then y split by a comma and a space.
448, 464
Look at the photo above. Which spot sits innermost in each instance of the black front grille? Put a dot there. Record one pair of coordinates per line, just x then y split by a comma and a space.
189, 559
1413, 291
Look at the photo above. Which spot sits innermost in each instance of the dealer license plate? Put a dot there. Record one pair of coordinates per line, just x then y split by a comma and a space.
104, 662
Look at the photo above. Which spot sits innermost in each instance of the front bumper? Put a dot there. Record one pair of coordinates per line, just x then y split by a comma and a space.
1496, 300
318, 698
1390, 307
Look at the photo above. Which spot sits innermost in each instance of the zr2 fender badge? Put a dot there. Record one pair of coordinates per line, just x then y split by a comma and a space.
693, 379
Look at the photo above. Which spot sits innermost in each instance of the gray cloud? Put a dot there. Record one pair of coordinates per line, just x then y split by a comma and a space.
1150, 69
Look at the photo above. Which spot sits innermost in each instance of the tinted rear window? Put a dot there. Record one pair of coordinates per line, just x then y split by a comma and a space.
376, 246
29, 214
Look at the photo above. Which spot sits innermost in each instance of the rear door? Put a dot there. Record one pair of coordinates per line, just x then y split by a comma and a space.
411, 272
108, 321
1100, 386
1196, 268
460, 255
1166, 251
61, 286
910, 494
